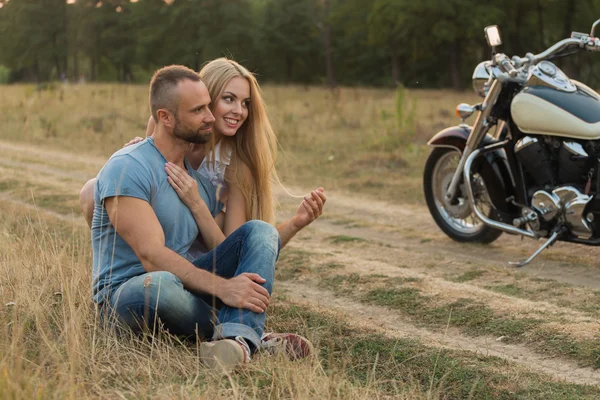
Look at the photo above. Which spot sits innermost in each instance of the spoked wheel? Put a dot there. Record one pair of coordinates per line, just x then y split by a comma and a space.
456, 219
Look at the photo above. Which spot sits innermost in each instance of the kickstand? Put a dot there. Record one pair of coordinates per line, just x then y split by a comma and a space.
549, 242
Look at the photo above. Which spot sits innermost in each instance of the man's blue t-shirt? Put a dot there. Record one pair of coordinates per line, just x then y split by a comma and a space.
139, 171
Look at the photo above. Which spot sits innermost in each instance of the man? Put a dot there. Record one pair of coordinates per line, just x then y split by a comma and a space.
141, 233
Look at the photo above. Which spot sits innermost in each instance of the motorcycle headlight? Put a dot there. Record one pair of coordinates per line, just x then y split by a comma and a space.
480, 78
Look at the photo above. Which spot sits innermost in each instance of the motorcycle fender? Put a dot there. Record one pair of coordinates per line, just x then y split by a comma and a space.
455, 137
493, 167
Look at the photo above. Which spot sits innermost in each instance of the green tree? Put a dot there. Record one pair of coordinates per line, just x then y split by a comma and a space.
432, 36
429, 43
357, 59
390, 25
293, 40
33, 40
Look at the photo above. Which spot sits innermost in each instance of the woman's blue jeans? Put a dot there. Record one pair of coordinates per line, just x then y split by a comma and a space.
143, 300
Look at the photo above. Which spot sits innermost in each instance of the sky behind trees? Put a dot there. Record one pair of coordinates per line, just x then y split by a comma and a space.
426, 43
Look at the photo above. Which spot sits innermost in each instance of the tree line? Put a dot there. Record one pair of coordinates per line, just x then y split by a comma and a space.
425, 43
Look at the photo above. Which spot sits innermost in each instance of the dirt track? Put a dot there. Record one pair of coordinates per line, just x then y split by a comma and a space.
391, 324
412, 229
403, 241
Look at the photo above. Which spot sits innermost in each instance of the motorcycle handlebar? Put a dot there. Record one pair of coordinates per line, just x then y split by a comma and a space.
593, 44
580, 42
504, 62
519, 61
508, 67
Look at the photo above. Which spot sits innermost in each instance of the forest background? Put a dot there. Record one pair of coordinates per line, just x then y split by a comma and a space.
420, 44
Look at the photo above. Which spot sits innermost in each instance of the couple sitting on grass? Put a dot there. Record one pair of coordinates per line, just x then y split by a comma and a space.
182, 220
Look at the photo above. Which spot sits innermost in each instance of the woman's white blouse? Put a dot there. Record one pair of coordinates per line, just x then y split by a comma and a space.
216, 175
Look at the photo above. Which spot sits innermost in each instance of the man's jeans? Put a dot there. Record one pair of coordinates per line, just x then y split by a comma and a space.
140, 301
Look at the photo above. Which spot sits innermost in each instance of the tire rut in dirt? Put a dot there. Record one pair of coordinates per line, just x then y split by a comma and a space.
392, 325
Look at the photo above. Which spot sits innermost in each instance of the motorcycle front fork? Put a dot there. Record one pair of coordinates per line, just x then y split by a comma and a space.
476, 136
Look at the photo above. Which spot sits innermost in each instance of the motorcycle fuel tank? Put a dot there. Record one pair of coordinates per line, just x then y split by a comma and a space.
568, 109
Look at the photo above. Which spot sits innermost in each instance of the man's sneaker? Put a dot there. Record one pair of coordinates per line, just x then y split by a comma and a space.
225, 353
295, 346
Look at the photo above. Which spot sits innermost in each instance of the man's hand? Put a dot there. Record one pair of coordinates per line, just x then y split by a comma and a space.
135, 140
310, 209
244, 291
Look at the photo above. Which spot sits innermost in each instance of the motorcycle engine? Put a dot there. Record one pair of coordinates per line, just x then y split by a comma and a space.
556, 175
566, 203
536, 161
549, 162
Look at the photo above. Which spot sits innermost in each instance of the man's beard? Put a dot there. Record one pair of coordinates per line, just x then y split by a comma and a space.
191, 135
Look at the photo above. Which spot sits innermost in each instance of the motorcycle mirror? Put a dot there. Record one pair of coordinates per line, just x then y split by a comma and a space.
492, 35
594, 27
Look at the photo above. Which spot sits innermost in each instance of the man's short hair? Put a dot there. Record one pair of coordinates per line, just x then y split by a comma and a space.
163, 85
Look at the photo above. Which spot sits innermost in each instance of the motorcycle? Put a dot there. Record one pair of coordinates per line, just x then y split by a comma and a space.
530, 163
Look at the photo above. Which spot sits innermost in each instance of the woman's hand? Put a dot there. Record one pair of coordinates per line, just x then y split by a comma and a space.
310, 209
185, 186
135, 140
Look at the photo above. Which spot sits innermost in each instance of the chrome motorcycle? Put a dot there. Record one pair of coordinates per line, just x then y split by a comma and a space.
530, 164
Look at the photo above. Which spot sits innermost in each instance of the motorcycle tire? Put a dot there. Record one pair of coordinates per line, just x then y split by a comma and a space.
480, 234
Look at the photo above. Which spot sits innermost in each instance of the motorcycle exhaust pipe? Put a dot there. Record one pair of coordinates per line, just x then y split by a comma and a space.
490, 222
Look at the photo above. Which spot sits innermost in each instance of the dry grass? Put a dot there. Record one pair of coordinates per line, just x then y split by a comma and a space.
51, 345
339, 140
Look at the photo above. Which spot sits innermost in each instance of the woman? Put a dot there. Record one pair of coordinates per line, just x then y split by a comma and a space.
240, 162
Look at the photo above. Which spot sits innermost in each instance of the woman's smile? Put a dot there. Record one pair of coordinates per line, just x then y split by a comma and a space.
231, 122
231, 109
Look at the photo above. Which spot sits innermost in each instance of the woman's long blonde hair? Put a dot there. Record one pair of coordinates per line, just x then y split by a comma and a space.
254, 144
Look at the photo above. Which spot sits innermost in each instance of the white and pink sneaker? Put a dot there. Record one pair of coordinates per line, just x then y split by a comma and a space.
225, 353
295, 346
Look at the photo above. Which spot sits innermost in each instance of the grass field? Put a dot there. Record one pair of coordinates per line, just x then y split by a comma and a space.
340, 139
395, 309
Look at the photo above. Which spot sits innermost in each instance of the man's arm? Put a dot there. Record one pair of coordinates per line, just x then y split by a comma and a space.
135, 221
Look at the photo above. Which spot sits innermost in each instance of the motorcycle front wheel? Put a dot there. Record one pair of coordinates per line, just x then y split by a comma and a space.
456, 219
